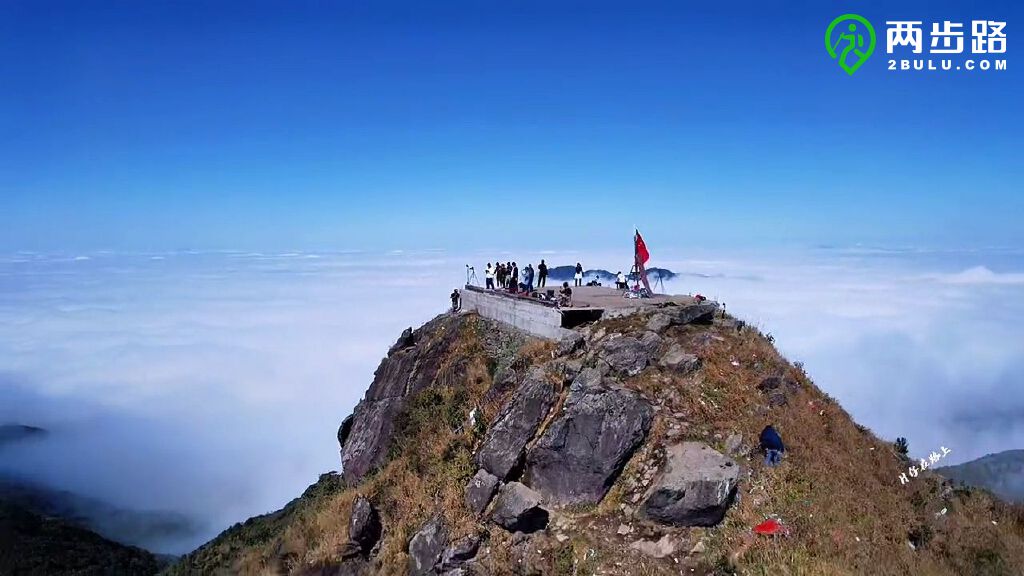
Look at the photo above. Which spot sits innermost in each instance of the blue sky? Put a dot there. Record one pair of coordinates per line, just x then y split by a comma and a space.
165, 125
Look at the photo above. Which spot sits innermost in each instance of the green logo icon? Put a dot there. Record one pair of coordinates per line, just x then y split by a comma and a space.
851, 29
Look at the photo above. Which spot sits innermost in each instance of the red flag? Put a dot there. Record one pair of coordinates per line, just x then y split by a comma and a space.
642, 255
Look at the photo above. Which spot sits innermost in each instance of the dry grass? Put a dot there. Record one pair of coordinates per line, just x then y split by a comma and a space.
838, 490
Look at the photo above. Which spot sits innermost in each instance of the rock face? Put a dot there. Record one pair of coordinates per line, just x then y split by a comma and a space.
367, 444
734, 444
364, 526
651, 343
404, 341
480, 490
585, 448
679, 360
411, 365
502, 450
461, 551
778, 389
693, 314
426, 547
695, 488
656, 549
344, 430
569, 344
626, 354
659, 322
518, 509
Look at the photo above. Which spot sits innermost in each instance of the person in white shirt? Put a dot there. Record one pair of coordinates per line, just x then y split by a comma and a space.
620, 281
489, 277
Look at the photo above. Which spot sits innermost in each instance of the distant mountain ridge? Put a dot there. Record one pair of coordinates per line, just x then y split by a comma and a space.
144, 528
1001, 473
32, 544
10, 433
27, 498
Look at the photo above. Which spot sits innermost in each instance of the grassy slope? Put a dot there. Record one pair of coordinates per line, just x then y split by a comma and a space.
837, 490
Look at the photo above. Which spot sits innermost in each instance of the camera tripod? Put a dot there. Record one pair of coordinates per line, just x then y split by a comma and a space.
471, 276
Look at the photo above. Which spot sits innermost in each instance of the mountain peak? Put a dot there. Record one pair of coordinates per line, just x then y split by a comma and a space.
630, 445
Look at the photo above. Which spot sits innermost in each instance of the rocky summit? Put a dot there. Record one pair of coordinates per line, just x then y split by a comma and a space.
628, 447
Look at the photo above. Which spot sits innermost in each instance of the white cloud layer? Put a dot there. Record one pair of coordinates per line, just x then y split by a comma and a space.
212, 384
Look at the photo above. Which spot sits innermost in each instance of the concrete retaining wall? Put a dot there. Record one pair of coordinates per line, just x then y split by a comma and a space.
535, 318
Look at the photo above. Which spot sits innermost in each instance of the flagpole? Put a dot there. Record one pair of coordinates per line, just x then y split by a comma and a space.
641, 272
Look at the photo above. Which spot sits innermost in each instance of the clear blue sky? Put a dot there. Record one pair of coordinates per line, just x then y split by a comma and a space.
161, 125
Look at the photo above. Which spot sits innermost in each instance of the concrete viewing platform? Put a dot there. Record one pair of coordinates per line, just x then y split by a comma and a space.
546, 319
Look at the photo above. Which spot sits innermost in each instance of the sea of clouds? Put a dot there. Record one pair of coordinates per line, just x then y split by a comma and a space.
211, 384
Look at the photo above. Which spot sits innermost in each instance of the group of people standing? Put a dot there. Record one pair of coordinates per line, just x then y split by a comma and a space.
509, 277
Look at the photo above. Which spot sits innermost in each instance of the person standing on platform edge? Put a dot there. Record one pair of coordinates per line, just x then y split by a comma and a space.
528, 278
542, 274
514, 281
579, 274
489, 277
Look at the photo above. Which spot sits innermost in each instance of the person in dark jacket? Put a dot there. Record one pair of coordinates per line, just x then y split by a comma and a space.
772, 445
578, 276
542, 274
514, 280
565, 296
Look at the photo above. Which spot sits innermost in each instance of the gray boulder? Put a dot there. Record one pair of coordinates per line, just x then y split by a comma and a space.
580, 455
502, 449
569, 344
656, 548
693, 314
459, 552
517, 509
364, 527
778, 389
651, 342
404, 341
626, 354
679, 360
659, 322
695, 488
426, 547
734, 444
480, 490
